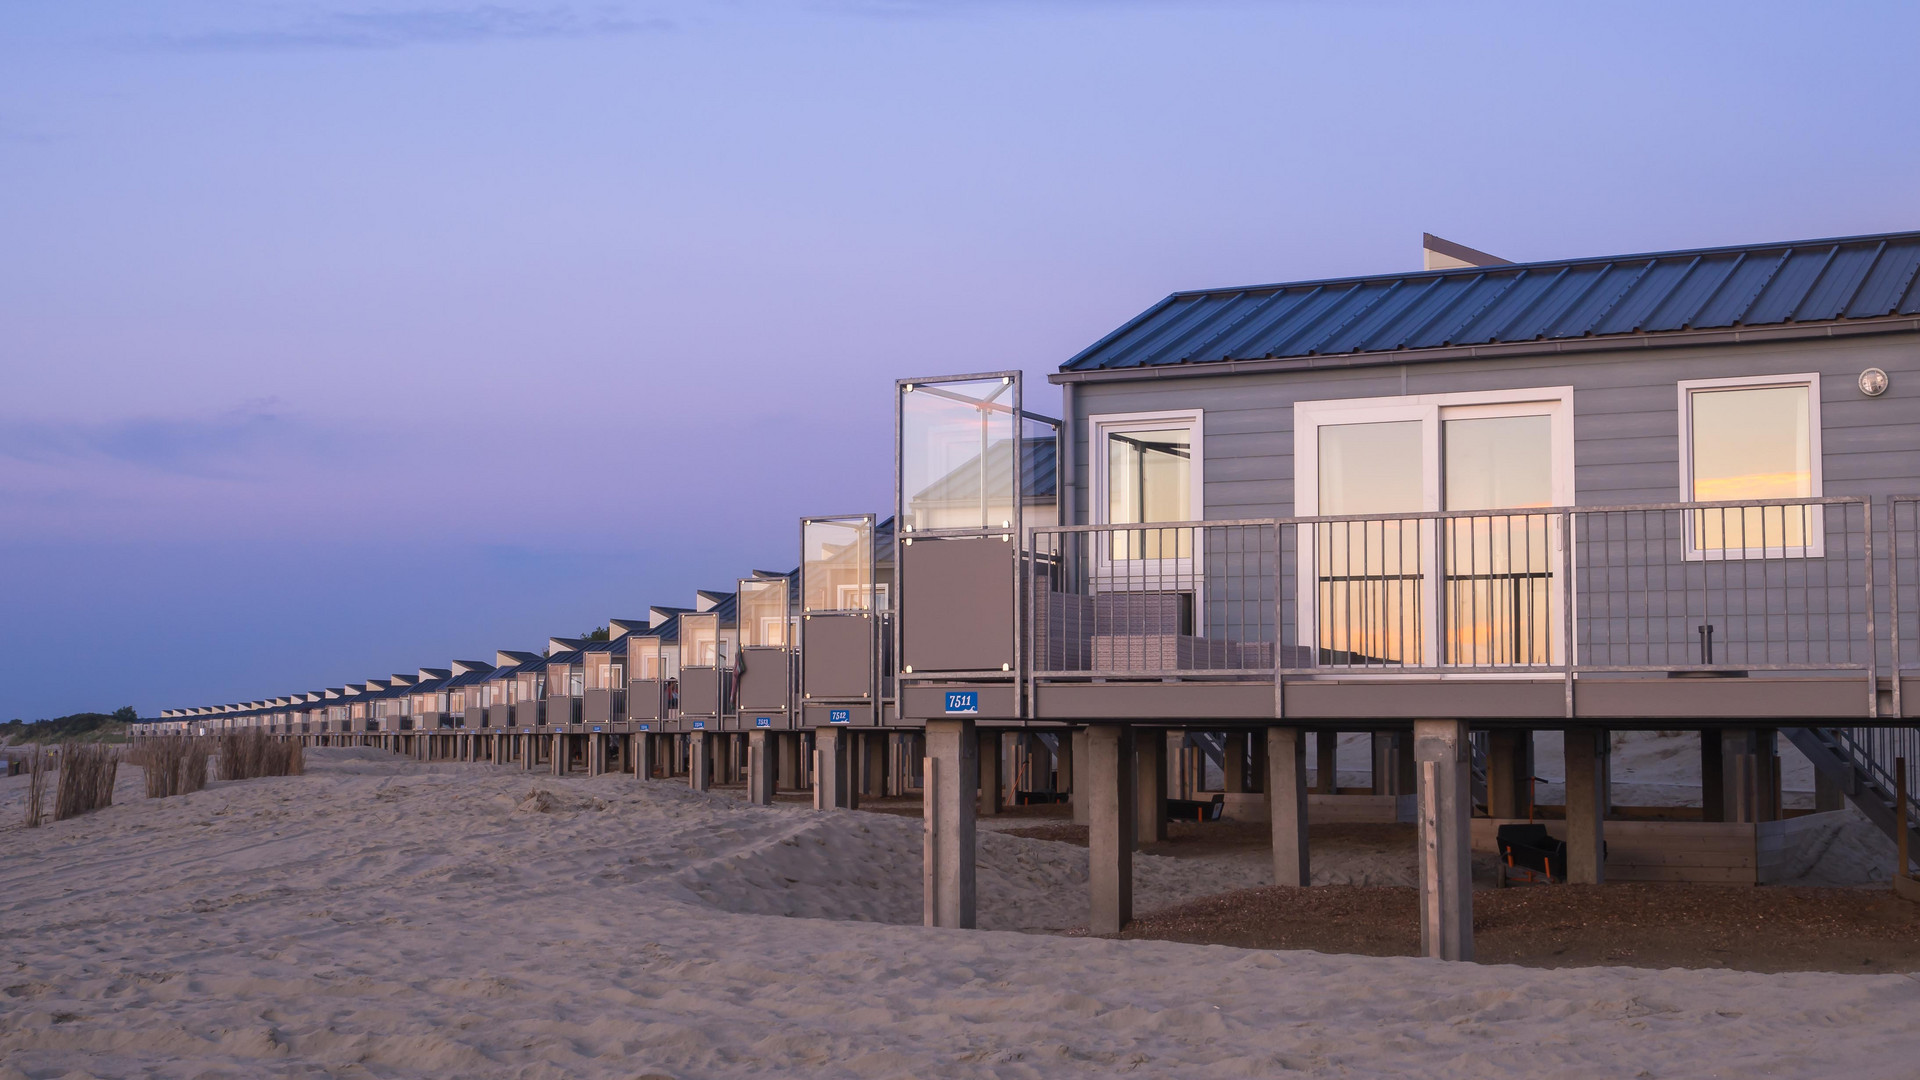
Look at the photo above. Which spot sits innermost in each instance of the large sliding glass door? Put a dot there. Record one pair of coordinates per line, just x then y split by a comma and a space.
1480, 589
1500, 568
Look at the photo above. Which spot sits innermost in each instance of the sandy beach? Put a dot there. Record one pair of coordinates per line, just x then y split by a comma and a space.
383, 918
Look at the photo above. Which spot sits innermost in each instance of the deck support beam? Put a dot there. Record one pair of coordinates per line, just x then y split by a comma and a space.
1078, 789
990, 759
1586, 749
643, 754
874, 749
762, 748
952, 769
699, 762
1063, 756
1233, 763
788, 760
1110, 774
560, 754
1509, 773
833, 770
1287, 804
1149, 786
1445, 798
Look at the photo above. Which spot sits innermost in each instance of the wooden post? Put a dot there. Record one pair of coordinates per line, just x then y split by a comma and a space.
1287, 805
1445, 782
1150, 786
761, 748
1109, 776
951, 777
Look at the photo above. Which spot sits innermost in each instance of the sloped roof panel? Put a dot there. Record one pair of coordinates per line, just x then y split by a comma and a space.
1707, 288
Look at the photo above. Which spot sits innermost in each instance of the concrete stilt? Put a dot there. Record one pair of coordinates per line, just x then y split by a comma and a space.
1827, 794
1257, 773
1149, 786
1063, 763
1381, 743
699, 767
1586, 749
1108, 786
1393, 763
643, 755
874, 745
991, 783
596, 755
952, 768
1287, 805
1750, 774
789, 761
1509, 773
761, 748
1081, 797
1766, 774
833, 770
560, 754
1326, 762
1713, 776
1234, 763
1445, 798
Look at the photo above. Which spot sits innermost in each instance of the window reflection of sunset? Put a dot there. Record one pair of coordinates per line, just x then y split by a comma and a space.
1775, 485
1751, 443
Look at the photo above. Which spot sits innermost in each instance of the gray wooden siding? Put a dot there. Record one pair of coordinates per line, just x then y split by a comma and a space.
1626, 424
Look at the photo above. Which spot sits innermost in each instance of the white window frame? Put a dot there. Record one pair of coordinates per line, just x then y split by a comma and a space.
1119, 574
1164, 420
1816, 519
1431, 410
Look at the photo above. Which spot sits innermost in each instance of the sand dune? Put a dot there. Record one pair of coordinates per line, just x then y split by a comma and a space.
379, 917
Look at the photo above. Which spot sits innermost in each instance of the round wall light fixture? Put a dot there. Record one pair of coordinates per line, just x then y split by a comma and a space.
1873, 382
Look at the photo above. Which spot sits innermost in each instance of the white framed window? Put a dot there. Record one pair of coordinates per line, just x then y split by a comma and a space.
1144, 468
1147, 466
1748, 440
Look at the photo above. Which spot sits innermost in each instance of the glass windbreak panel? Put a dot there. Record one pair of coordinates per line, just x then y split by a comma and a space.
1039, 465
1150, 478
763, 613
958, 465
700, 640
836, 569
645, 659
576, 682
1499, 568
604, 673
1751, 443
1370, 572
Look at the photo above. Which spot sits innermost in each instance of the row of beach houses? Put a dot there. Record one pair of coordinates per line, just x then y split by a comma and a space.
1448, 508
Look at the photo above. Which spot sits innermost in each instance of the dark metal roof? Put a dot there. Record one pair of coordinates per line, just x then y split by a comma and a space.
1860, 277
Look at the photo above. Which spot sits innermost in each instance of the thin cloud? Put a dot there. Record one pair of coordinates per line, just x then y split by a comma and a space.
13, 131
230, 445
404, 28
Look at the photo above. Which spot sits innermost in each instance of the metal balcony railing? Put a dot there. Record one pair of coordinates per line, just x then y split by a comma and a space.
1766, 585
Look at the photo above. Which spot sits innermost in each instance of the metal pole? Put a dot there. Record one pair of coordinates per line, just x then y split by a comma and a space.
1566, 604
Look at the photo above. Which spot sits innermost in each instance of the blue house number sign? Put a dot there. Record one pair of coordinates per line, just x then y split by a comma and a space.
963, 702
699, 725
762, 721
839, 716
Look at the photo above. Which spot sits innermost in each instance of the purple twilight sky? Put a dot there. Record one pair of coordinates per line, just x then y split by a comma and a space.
341, 339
